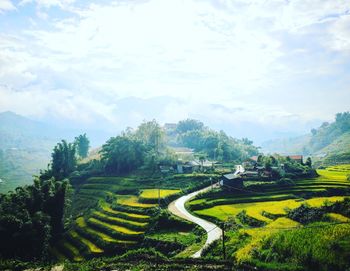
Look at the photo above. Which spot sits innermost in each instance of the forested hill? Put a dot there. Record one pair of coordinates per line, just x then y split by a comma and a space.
330, 142
25, 145
213, 144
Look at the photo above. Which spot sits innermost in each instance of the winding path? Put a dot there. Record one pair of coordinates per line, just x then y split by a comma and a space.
177, 208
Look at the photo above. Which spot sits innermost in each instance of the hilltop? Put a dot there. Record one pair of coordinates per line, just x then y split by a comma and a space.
329, 143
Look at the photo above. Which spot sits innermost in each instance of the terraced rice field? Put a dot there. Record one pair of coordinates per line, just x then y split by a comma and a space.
133, 201
106, 228
103, 231
256, 209
114, 217
270, 204
153, 193
331, 178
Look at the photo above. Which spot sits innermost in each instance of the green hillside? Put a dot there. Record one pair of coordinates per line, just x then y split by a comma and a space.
329, 144
284, 227
117, 214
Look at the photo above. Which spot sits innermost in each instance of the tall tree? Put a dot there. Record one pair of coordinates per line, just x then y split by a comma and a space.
82, 144
151, 135
122, 154
63, 160
308, 162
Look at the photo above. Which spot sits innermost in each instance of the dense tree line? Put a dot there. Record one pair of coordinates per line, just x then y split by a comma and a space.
142, 147
217, 145
146, 146
32, 217
285, 167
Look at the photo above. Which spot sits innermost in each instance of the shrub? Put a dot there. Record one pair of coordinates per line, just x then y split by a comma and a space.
305, 214
248, 220
285, 182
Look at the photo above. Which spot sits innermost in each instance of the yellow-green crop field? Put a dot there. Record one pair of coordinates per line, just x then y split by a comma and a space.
114, 227
257, 235
91, 246
133, 201
106, 208
153, 193
270, 205
255, 209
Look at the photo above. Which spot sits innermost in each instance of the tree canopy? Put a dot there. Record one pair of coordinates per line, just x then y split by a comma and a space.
82, 144
217, 145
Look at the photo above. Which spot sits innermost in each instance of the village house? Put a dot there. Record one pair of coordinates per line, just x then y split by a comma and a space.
231, 181
296, 158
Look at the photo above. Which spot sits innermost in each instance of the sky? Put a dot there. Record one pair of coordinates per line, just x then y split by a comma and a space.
256, 68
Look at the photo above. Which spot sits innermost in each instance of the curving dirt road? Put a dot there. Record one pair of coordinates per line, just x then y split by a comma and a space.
177, 208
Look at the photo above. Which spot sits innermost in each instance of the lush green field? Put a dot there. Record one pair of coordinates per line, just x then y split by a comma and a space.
332, 180
256, 209
153, 193
267, 205
114, 214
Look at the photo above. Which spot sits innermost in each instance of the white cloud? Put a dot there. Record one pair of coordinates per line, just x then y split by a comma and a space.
48, 3
60, 104
271, 58
340, 31
6, 5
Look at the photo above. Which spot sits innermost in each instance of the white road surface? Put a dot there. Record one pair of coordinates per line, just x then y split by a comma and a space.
214, 232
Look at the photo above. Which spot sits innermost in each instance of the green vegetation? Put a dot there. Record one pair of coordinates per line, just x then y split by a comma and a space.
114, 208
284, 227
320, 247
153, 193
329, 144
31, 218
82, 144
215, 145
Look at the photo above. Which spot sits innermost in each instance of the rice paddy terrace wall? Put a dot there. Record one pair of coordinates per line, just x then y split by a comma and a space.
114, 214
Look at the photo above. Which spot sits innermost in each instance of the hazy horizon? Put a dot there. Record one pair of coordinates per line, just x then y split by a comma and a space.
254, 69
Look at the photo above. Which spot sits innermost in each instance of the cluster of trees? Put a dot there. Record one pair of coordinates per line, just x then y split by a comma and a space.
285, 167
65, 156
216, 145
328, 132
32, 217
143, 147
146, 146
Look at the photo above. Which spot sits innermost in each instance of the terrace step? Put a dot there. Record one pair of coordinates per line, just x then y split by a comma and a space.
94, 235
132, 201
57, 254
90, 246
120, 221
125, 215
69, 250
114, 230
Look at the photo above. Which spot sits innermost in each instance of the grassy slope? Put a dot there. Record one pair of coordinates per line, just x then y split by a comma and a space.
339, 145
153, 193
247, 245
123, 221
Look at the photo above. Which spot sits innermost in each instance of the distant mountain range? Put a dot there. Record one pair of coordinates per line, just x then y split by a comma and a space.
329, 143
26, 145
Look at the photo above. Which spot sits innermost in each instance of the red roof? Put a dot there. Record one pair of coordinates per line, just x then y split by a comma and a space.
296, 157
254, 158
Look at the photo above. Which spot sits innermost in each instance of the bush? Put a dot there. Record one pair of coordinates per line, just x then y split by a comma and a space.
285, 182
248, 220
304, 214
